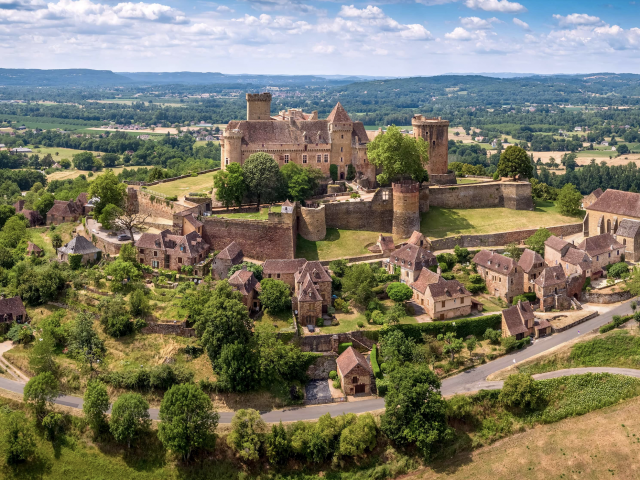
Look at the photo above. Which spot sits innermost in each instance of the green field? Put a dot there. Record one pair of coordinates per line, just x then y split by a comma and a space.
67, 153
262, 215
337, 244
201, 183
73, 173
47, 123
466, 181
444, 222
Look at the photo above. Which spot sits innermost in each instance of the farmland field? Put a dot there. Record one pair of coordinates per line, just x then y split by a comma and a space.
73, 173
201, 183
48, 123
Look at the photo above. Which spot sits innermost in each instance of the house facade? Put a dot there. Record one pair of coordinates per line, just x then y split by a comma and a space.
12, 310
628, 234
231, 255
410, 259
246, 283
502, 275
284, 270
532, 265
519, 321
80, 246
312, 296
171, 252
354, 373
68, 211
603, 250
608, 210
442, 299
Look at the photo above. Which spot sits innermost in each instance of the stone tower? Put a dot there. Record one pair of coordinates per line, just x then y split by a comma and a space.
435, 132
340, 128
231, 148
259, 106
406, 208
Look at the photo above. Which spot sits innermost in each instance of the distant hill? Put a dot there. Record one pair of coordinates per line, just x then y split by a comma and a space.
211, 78
56, 78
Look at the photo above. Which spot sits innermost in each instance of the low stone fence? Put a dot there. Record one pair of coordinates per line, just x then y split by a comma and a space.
323, 400
500, 238
178, 328
604, 298
577, 322
320, 368
325, 342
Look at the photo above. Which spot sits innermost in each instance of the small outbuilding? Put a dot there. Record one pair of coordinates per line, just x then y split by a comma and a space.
354, 372
33, 250
80, 246
12, 310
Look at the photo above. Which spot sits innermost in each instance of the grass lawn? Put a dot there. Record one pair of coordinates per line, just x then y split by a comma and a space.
490, 303
336, 244
202, 143
201, 184
67, 153
73, 173
41, 236
262, 215
464, 181
444, 222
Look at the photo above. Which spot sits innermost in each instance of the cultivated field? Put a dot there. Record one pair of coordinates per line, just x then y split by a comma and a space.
444, 222
73, 173
157, 130
201, 183
61, 152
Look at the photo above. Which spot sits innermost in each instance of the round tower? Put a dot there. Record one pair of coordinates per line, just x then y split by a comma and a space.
312, 225
435, 132
259, 106
231, 148
406, 208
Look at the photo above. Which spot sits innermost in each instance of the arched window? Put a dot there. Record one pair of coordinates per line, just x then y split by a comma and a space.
608, 226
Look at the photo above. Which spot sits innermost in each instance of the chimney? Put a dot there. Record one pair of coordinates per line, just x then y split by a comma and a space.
439, 271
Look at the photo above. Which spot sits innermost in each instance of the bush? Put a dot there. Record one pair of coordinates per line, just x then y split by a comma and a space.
377, 317
525, 297
492, 335
336, 383
319, 322
617, 270
343, 346
520, 390
374, 362
75, 261
341, 305
247, 431
382, 385
160, 377
461, 327
360, 324
333, 375
19, 440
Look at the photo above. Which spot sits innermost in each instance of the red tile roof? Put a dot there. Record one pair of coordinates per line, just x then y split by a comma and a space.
551, 276
413, 257
244, 281
618, 202
494, 262
339, 115
350, 359
232, 252
517, 316
530, 260
438, 287
599, 244
290, 266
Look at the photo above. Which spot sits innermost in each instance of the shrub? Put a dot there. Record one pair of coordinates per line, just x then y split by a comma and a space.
360, 324
509, 343
19, 440
525, 297
461, 327
374, 362
247, 431
319, 322
492, 335
336, 383
341, 305
359, 437
520, 390
333, 375
343, 346
382, 385
459, 407
75, 260
617, 270
52, 425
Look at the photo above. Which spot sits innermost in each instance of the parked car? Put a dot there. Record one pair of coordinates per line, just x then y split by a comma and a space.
123, 236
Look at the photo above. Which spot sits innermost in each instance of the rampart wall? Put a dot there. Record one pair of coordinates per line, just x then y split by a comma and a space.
514, 195
375, 215
155, 206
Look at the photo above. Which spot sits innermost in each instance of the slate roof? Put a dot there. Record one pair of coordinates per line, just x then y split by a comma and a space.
517, 316
79, 246
495, 262
412, 257
575, 256
192, 244
437, 287
599, 244
628, 228
530, 260
232, 252
551, 276
244, 281
350, 359
618, 202
290, 266
10, 308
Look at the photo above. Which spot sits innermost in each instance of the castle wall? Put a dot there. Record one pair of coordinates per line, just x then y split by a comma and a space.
425, 197
260, 240
375, 216
406, 209
312, 224
435, 132
156, 206
514, 195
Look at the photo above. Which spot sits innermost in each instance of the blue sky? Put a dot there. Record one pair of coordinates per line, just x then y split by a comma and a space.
381, 37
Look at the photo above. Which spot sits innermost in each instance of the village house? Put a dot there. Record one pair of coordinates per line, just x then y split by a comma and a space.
576, 261
551, 289
442, 299
532, 265
80, 246
172, 252
246, 283
628, 234
603, 250
231, 255
519, 321
588, 200
354, 372
33, 250
68, 211
312, 296
555, 248
410, 259
502, 275
385, 244
32, 216
284, 270
419, 240
12, 310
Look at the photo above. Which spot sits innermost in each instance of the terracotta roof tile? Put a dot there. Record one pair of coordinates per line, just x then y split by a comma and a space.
339, 115
232, 252
12, 307
517, 316
575, 256
494, 262
557, 243
551, 276
413, 257
599, 244
529, 260
244, 281
289, 266
351, 358
618, 202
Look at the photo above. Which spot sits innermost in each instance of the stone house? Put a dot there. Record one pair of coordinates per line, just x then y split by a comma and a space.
172, 252
442, 299
603, 250
284, 270
12, 310
628, 234
411, 259
68, 211
419, 240
502, 275
519, 321
80, 246
231, 255
554, 249
32, 216
551, 289
385, 244
354, 372
576, 261
191, 224
247, 284
33, 250
312, 292
610, 208
532, 265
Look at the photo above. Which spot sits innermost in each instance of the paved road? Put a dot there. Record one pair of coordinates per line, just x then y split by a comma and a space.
469, 381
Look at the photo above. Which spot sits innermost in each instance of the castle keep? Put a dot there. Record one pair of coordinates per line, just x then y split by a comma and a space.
298, 137
435, 132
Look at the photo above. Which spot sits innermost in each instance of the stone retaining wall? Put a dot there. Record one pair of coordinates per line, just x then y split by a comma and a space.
172, 179
514, 195
604, 298
320, 368
577, 322
360, 258
179, 328
323, 343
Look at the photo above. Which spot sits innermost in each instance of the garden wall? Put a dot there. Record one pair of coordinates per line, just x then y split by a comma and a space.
604, 298
179, 329
500, 238
157, 206
327, 343
320, 368
514, 195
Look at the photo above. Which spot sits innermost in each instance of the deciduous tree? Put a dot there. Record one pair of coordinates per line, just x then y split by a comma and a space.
95, 404
247, 433
230, 185
399, 156
40, 393
514, 161
275, 295
569, 200
129, 417
263, 178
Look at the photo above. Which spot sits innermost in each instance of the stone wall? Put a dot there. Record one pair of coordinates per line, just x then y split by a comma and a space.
150, 204
603, 298
312, 224
259, 239
500, 238
105, 246
360, 258
514, 195
179, 328
375, 216
322, 343
406, 209
320, 368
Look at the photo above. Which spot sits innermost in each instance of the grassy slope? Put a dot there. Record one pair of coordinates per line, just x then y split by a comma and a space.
337, 244
444, 222
201, 183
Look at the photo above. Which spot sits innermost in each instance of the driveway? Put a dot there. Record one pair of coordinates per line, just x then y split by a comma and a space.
469, 381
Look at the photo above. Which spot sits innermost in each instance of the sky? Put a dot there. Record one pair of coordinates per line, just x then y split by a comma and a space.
331, 37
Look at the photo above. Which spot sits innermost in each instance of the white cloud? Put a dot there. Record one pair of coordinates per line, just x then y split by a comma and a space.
521, 24
22, 4
323, 49
477, 23
224, 9
416, 32
149, 11
504, 6
353, 12
460, 34
577, 19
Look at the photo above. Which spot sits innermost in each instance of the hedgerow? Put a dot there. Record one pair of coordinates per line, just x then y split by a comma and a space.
462, 327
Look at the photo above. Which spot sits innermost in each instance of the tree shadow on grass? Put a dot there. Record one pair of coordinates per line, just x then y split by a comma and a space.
37, 467
443, 222
146, 454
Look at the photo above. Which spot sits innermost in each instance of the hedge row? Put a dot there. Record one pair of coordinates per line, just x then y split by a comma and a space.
343, 346
462, 327
374, 362
617, 322
160, 377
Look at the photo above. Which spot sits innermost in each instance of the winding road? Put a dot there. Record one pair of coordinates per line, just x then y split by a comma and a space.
470, 380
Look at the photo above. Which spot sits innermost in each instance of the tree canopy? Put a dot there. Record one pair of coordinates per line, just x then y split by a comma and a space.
514, 161
399, 156
263, 177
109, 190
230, 185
